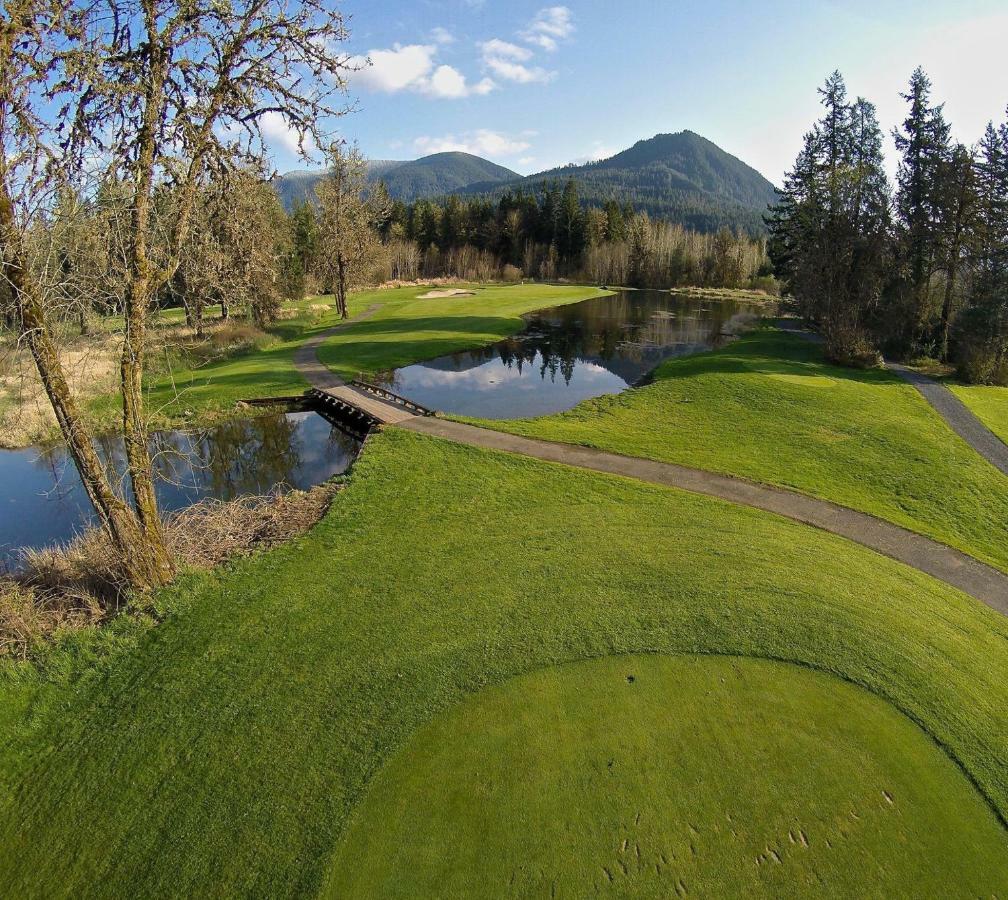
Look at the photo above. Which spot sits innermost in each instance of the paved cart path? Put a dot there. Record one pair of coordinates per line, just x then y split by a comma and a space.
985, 583
958, 416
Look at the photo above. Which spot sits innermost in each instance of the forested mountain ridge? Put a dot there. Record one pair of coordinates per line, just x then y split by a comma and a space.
681, 177
407, 180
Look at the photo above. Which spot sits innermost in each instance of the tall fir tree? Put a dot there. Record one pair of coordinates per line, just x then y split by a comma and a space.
924, 148
829, 231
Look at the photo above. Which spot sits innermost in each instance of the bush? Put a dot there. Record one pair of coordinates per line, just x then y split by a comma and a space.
851, 346
765, 283
511, 273
233, 338
979, 363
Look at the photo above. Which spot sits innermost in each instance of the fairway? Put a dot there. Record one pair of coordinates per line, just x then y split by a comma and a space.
769, 408
665, 776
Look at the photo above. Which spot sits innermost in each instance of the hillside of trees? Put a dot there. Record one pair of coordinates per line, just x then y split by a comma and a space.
547, 234
682, 177
919, 269
408, 180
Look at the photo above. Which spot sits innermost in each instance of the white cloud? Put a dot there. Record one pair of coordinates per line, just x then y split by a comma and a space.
506, 60
597, 152
412, 67
396, 69
504, 50
442, 36
278, 134
482, 142
511, 71
450, 84
550, 25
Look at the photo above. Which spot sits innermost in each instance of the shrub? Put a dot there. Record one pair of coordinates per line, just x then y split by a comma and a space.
511, 273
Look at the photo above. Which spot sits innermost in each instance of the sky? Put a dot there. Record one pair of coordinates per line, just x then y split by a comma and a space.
532, 86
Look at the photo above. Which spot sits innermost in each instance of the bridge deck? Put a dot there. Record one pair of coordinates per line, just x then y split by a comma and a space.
383, 411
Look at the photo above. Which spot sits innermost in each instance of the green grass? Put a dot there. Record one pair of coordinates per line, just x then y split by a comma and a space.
403, 331
406, 329
223, 751
769, 408
988, 403
719, 776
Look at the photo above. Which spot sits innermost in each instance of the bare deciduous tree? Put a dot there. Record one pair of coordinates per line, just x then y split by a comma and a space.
160, 96
349, 214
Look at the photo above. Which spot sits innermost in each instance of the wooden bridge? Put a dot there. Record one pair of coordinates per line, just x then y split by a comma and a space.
365, 405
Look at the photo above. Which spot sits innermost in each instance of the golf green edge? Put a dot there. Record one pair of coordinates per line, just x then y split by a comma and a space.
658, 776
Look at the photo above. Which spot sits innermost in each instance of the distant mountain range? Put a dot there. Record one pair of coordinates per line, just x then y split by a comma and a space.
430, 176
681, 177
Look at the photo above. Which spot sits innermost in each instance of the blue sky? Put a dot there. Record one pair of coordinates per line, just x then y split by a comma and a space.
532, 85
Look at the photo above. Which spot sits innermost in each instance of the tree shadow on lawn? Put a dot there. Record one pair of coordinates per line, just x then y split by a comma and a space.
382, 343
772, 353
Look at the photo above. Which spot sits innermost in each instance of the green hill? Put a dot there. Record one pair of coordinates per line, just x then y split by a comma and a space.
681, 177
429, 176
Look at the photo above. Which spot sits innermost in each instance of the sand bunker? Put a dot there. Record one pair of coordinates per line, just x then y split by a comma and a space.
451, 292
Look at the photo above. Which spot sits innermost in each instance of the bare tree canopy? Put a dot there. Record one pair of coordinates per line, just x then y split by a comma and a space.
155, 97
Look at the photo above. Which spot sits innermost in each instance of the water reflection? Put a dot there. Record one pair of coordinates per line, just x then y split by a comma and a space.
44, 501
568, 354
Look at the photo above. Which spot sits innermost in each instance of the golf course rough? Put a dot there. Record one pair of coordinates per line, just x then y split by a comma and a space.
658, 776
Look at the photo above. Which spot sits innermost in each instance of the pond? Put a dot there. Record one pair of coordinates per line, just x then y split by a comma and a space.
44, 502
567, 354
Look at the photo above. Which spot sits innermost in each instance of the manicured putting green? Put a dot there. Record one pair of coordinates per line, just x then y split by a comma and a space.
662, 775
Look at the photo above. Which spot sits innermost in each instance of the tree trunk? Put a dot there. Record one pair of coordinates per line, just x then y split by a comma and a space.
946, 313
341, 303
116, 518
138, 457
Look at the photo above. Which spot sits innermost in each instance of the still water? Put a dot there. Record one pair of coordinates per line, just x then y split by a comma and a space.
567, 354
43, 502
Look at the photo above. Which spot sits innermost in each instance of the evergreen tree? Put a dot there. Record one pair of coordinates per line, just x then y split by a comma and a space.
830, 228
923, 144
983, 329
570, 230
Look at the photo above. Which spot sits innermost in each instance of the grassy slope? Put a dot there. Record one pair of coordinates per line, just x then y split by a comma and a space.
575, 780
406, 329
229, 746
768, 408
988, 403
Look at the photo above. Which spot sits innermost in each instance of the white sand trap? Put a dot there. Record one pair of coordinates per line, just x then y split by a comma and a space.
452, 292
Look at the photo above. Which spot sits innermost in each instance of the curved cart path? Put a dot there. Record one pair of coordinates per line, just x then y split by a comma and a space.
958, 416
306, 359
969, 575
985, 583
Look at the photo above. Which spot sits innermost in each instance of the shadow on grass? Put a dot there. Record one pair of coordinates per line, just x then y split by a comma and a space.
771, 353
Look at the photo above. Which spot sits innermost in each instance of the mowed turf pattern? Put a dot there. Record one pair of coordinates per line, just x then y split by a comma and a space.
225, 750
671, 776
408, 328
769, 408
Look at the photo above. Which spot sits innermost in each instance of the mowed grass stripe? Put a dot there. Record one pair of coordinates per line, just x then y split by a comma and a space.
226, 751
770, 409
